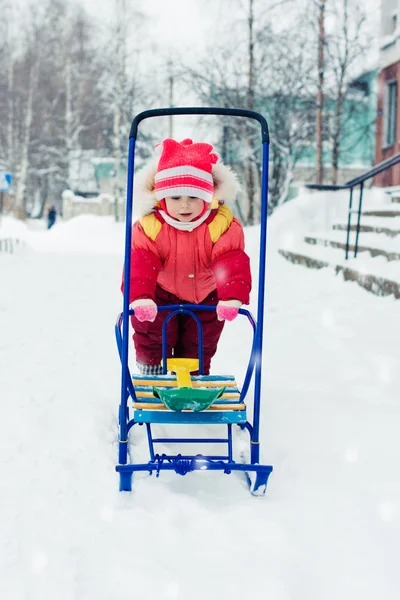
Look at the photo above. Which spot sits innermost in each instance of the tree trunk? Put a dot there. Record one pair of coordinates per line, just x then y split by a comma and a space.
10, 92
250, 106
342, 71
19, 206
68, 111
336, 136
320, 93
119, 97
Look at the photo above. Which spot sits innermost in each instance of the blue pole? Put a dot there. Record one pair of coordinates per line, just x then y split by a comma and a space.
349, 224
164, 344
123, 431
359, 218
254, 443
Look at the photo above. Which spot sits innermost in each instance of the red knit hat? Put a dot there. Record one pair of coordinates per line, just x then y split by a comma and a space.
185, 169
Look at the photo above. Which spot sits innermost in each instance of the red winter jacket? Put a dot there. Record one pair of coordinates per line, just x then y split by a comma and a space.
190, 264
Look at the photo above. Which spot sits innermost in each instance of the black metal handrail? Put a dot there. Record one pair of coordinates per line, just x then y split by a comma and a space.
382, 166
350, 185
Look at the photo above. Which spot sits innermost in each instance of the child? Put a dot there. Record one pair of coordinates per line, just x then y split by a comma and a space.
187, 248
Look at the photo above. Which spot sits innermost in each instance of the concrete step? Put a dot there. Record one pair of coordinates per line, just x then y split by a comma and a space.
383, 211
368, 228
374, 283
325, 241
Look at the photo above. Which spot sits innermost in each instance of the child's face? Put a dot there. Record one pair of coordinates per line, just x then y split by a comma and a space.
184, 208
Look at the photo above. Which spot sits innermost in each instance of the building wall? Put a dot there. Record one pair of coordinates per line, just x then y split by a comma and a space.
383, 151
389, 33
358, 134
389, 71
102, 205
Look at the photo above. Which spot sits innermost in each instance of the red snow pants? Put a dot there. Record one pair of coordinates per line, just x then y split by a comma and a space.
182, 337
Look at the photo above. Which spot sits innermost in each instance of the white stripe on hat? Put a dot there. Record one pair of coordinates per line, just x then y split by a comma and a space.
184, 170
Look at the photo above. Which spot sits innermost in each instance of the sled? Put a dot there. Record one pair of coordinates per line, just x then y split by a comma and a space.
176, 397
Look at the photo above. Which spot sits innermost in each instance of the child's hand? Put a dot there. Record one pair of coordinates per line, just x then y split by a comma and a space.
227, 310
145, 309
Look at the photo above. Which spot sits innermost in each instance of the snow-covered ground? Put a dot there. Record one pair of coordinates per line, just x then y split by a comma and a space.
329, 525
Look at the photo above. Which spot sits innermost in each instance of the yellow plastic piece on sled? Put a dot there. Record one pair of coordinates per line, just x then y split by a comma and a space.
183, 367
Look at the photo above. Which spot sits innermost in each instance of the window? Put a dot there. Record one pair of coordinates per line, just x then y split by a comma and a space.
390, 113
358, 88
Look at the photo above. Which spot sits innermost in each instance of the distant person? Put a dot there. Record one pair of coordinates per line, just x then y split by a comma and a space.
51, 216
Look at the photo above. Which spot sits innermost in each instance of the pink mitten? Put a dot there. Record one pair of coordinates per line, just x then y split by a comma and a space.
227, 310
145, 309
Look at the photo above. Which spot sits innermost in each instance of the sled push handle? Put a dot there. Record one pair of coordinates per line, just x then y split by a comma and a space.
189, 110
256, 354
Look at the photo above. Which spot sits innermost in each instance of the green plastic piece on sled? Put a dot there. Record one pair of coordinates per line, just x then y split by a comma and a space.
186, 398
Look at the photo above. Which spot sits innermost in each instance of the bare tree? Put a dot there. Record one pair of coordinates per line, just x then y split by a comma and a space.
10, 87
120, 95
122, 92
65, 91
24, 156
271, 72
12, 29
320, 91
346, 44
250, 175
27, 74
66, 107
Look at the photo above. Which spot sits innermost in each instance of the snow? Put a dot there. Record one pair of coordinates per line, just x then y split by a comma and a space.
11, 228
364, 263
329, 525
390, 208
365, 239
319, 211
313, 215
87, 234
392, 223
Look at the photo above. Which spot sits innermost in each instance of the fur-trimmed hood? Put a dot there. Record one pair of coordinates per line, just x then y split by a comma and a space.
226, 186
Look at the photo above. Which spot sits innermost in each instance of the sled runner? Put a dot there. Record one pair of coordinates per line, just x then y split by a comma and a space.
177, 397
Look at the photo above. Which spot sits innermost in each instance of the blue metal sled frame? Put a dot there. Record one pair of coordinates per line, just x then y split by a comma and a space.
256, 474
